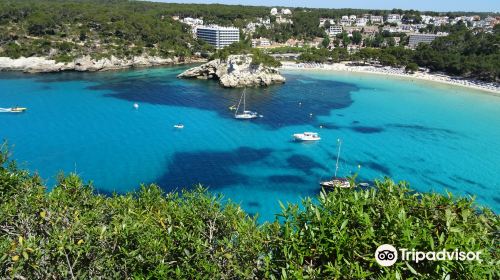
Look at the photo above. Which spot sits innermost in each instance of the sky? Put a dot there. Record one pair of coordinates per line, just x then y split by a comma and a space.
423, 5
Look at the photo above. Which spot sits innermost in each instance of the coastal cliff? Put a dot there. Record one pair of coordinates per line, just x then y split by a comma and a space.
85, 63
235, 71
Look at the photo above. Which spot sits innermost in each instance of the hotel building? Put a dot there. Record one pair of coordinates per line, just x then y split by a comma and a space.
416, 39
218, 36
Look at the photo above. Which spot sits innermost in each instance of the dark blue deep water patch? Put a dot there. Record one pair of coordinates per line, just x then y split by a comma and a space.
304, 163
279, 179
367, 129
213, 169
280, 106
421, 128
381, 169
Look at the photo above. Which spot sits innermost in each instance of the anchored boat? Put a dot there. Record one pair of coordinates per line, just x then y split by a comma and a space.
336, 182
307, 136
245, 115
13, 110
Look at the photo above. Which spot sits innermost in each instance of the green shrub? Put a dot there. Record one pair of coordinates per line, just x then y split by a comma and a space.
411, 68
337, 236
65, 58
258, 58
12, 50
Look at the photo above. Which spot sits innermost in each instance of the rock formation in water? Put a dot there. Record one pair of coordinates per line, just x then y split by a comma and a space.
85, 63
235, 71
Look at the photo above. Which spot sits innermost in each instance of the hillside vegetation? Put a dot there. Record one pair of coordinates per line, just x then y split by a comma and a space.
67, 29
70, 232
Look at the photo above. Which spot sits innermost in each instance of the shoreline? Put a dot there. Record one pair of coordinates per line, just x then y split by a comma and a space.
87, 64
492, 88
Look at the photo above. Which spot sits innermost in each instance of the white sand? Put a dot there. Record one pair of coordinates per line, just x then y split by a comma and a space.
399, 72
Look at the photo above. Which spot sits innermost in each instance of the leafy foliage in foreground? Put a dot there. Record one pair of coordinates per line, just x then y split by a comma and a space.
71, 232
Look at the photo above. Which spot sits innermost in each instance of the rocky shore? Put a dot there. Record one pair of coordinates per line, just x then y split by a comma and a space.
86, 63
235, 71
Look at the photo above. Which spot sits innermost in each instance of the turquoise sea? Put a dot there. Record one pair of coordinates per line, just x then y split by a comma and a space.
436, 137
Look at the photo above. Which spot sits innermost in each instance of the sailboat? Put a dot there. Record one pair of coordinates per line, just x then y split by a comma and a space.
245, 115
336, 182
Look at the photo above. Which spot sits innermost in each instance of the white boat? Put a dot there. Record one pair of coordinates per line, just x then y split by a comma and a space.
13, 110
179, 125
245, 115
336, 182
307, 136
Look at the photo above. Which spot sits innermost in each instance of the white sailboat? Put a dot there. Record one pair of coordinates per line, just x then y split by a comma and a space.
245, 115
336, 182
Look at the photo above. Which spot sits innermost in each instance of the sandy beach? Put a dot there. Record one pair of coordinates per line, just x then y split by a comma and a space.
399, 72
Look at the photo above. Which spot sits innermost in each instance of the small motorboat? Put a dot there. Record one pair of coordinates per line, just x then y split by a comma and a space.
179, 126
336, 183
307, 136
18, 109
136, 106
13, 110
232, 108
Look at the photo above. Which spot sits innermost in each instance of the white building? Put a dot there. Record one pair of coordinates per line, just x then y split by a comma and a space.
416, 39
361, 22
377, 19
274, 11
218, 36
394, 18
426, 19
323, 20
286, 11
345, 21
283, 20
438, 21
352, 17
261, 42
192, 21
334, 30
251, 26
265, 21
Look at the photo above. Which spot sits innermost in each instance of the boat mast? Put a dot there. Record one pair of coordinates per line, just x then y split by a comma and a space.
244, 98
338, 156
238, 107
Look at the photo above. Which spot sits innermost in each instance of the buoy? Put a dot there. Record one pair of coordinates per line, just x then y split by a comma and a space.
320, 126
136, 106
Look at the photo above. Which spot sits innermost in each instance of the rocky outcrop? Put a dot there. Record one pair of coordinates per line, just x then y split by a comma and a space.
235, 71
86, 63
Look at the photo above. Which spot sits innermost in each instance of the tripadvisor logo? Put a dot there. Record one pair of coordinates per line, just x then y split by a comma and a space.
387, 255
